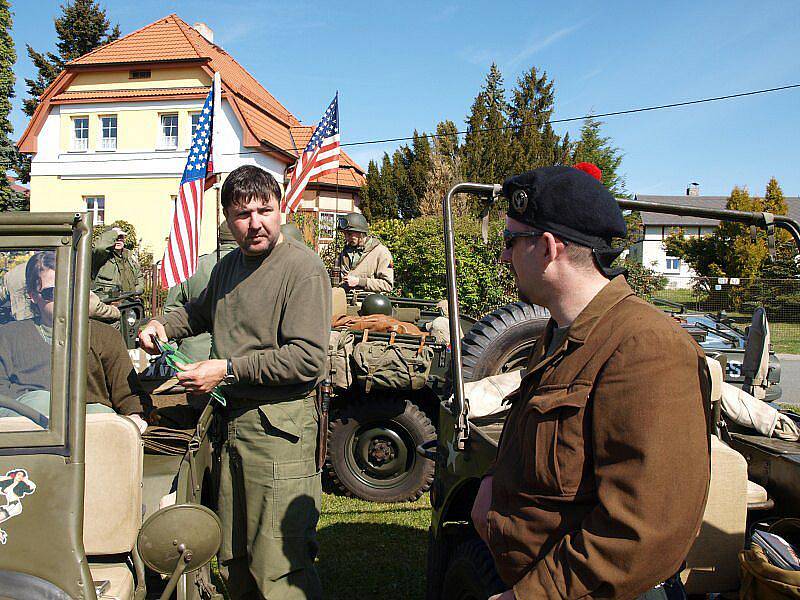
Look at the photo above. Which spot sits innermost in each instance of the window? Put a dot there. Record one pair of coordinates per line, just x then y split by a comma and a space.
97, 206
169, 131
195, 122
139, 75
80, 133
108, 132
327, 225
673, 264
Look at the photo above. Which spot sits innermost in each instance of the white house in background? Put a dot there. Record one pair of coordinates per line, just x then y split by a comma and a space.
650, 251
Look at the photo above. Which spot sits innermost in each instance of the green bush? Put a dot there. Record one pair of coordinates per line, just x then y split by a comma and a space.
131, 240
417, 247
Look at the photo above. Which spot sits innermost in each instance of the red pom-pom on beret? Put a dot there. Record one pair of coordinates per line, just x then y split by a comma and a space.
591, 169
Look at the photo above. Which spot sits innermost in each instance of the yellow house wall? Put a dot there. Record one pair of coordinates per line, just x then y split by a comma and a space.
145, 203
120, 80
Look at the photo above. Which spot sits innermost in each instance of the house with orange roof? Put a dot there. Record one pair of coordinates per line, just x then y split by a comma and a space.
111, 133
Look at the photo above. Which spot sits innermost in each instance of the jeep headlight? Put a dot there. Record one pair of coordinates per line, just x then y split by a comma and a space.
130, 318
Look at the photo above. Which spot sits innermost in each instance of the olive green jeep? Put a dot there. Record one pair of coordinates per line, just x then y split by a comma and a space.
755, 478
80, 516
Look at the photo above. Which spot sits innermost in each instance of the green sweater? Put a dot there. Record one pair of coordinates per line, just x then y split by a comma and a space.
270, 314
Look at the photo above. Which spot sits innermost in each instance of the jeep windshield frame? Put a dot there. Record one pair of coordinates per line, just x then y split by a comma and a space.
459, 406
67, 234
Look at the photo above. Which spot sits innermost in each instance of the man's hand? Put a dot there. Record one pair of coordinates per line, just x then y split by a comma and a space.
153, 328
507, 595
351, 280
202, 377
480, 509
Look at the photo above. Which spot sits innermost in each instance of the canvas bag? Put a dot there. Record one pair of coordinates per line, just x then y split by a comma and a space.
340, 351
761, 580
389, 366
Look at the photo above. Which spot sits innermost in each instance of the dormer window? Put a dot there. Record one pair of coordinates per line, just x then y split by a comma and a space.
139, 75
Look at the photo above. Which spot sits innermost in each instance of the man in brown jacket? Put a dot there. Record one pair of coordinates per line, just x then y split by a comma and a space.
364, 263
602, 472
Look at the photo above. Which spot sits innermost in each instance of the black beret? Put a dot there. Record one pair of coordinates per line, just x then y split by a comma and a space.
566, 202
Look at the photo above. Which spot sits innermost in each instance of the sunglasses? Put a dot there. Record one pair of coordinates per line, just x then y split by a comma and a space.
509, 237
48, 294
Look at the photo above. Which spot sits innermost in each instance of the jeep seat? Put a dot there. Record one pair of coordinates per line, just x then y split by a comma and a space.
338, 302
112, 510
713, 561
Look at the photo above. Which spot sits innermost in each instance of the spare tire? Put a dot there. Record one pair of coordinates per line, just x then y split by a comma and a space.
502, 340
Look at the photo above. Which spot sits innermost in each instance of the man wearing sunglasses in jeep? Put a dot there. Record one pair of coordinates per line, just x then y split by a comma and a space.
26, 349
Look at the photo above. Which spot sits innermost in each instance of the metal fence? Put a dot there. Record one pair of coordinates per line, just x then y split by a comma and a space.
738, 298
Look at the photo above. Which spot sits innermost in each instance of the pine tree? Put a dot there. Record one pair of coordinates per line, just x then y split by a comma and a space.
774, 201
9, 199
593, 147
407, 203
419, 168
534, 143
487, 147
370, 191
82, 27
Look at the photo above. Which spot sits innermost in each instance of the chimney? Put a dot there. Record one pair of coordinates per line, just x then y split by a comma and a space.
693, 189
205, 31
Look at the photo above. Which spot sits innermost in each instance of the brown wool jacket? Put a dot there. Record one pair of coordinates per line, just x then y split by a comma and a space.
375, 267
603, 468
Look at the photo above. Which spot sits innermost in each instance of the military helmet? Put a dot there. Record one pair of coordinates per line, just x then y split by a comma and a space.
290, 230
352, 222
376, 304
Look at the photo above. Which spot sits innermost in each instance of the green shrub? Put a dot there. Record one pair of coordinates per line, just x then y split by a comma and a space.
417, 247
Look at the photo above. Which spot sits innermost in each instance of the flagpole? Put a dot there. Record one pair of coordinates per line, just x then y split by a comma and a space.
216, 155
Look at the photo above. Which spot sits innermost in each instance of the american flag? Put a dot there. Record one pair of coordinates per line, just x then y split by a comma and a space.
180, 257
320, 156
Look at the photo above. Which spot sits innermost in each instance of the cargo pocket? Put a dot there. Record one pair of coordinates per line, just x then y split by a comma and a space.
296, 498
557, 442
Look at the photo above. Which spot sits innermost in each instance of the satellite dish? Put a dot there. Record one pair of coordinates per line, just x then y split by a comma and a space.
182, 535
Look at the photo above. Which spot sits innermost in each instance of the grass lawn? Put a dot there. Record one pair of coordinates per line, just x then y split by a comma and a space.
785, 337
371, 550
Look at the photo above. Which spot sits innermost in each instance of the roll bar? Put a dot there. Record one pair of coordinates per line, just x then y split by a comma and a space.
490, 192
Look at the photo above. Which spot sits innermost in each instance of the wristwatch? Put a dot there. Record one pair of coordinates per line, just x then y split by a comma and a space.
229, 376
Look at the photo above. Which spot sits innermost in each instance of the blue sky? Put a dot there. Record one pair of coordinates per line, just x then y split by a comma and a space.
401, 66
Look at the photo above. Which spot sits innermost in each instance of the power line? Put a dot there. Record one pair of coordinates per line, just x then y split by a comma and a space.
482, 130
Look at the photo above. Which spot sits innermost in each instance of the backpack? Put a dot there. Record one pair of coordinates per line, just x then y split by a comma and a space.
390, 366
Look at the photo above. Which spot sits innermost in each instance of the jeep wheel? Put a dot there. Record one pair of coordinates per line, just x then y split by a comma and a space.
502, 340
470, 574
372, 450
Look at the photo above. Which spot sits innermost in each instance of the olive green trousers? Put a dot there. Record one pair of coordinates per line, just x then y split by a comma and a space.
269, 501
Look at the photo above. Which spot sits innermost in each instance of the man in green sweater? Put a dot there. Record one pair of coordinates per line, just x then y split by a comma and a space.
268, 308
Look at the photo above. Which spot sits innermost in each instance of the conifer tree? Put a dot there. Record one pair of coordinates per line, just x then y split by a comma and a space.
774, 201
370, 191
82, 27
534, 143
595, 148
486, 150
9, 199
419, 168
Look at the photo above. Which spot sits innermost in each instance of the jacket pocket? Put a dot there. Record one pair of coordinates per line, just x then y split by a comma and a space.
557, 442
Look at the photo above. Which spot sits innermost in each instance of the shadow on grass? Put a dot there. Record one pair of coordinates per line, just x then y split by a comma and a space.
371, 560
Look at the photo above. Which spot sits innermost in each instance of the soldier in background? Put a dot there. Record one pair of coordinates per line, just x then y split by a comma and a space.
114, 268
364, 263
